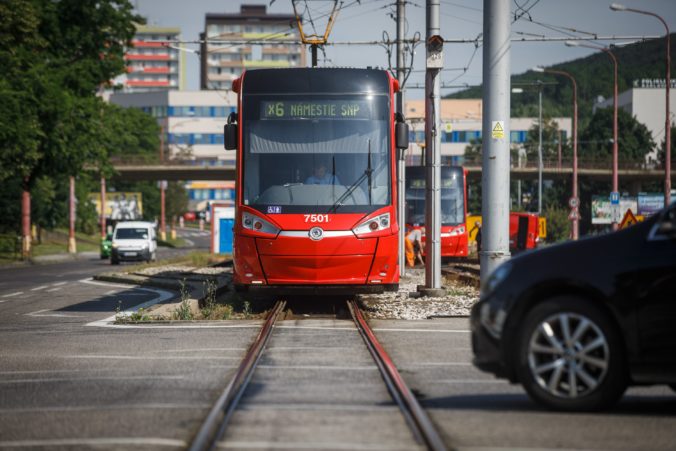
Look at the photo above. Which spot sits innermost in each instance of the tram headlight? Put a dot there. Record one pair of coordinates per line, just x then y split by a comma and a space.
376, 224
257, 224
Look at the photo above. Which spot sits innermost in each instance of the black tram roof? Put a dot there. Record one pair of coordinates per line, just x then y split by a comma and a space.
316, 80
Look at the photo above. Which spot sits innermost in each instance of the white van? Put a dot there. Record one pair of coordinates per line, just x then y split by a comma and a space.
133, 240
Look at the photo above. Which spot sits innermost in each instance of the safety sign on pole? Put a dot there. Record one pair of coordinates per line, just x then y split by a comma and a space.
498, 130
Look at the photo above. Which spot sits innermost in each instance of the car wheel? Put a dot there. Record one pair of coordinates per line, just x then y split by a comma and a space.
570, 356
114, 261
672, 386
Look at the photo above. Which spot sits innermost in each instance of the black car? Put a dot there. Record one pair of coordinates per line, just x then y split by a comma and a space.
577, 323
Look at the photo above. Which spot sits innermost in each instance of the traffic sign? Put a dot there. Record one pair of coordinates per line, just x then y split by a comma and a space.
614, 198
628, 220
573, 202
574, 214
435, 53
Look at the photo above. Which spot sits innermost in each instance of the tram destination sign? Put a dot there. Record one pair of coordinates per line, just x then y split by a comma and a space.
316, 109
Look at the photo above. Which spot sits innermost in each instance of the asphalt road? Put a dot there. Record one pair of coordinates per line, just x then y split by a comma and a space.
24, 280
476, 411
70, 380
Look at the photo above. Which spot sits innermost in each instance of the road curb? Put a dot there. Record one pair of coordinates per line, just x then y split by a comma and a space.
194, 284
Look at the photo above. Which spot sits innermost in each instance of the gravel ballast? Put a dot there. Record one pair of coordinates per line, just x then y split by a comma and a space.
402, 305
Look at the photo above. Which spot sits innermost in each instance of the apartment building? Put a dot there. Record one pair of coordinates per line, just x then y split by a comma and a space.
249, 39
152, 65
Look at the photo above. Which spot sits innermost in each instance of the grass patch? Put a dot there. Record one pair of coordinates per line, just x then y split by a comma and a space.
197, 259
183, 311
51, 247
178, 242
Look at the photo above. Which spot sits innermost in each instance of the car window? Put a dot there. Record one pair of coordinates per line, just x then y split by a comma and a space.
131, 234
665, 228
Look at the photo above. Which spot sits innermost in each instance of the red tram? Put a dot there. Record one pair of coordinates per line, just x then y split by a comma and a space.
316, 192
453, 207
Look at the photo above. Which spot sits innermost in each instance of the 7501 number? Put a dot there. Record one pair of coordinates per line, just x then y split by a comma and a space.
316, 218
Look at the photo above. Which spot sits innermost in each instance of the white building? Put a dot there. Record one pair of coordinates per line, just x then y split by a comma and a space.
460, 125
645, 101
192, 121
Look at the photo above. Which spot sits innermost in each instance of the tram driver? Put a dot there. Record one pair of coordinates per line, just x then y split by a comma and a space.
321, 177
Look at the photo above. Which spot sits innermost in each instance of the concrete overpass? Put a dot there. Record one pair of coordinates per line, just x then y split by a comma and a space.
171, 171
174, 171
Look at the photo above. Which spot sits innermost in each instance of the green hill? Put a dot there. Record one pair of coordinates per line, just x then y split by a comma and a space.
594, 75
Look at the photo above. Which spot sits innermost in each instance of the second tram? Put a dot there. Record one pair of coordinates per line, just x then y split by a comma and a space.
316, 187
453, 207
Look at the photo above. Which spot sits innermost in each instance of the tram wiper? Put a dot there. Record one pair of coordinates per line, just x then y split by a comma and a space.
350, 190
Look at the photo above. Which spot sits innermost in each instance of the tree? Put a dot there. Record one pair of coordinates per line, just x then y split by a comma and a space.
55, 54
661, 153
551, 138
634, 139
177, 201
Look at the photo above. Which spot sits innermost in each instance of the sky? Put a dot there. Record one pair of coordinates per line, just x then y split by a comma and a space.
367, 20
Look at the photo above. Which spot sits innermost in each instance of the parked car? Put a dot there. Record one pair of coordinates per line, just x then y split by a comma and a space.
106, 244
577, 323
134, 240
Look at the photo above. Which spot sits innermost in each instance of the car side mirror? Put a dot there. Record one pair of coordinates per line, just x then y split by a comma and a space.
230, 132
667, 228
400, 132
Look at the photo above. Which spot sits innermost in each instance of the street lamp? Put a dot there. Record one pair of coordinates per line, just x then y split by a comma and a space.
575, 201
612, 57
667, 127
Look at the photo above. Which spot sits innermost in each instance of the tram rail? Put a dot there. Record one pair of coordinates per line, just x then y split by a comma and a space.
215, 424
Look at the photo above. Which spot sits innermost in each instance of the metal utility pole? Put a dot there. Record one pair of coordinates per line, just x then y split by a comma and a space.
401, 163
103, 207
433, 154
574, 201
540, 166
495, 129
72, 246
667, 124
163, 228
26, 219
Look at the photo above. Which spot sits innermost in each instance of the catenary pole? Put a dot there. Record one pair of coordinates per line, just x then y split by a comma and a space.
432, 164
401, 162
72, 247
25, 219
495, 131
103, 208
667, 124
540, 150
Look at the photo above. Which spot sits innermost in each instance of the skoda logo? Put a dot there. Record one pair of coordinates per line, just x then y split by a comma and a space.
316, 233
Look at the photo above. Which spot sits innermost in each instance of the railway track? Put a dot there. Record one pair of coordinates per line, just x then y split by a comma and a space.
213, 428
465, 272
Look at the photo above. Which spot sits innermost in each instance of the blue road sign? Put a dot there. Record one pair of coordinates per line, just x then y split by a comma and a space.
614, 198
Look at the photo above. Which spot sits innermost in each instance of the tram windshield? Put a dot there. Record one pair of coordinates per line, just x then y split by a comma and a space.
310, 153
452, 198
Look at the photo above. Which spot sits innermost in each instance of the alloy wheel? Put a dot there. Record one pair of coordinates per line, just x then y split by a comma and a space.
568, 355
